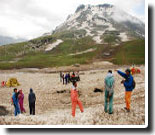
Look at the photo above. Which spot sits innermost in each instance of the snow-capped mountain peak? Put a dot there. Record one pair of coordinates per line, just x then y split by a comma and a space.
99, 20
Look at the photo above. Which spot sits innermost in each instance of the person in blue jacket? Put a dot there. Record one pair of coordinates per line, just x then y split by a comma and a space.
15, 102
128, 84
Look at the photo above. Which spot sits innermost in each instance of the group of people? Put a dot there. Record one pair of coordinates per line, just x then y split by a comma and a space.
128, 82
66, 78
109, 81
18, 101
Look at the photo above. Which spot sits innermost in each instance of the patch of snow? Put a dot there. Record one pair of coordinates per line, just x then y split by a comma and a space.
99, 22
140, 34
89, 33
51, 46
111, 28
102, 63
89, 17
97, 10
123, 37
73, 25
100, 32
84, 25
49, 109
86, 51
97, 39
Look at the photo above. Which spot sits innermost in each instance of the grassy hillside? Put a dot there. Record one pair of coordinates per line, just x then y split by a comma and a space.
132, 52
23, 55
59, 56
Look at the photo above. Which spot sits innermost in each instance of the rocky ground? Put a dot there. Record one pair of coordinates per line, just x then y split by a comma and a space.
54, 108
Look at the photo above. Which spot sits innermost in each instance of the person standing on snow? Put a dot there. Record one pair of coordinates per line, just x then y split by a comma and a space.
66, 78
21, 100
74, 99
109, 91
32, 100
15, 102
78, 76
69, 77
61, 76
128, 84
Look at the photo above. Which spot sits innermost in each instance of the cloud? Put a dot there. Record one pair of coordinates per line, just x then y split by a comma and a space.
26, 18
130, 6
32, 18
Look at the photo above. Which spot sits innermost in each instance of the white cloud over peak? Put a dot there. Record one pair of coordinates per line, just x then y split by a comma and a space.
31, 18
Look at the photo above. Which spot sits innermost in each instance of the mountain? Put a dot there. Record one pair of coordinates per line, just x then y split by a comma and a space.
102, 22
8, 40
92, 33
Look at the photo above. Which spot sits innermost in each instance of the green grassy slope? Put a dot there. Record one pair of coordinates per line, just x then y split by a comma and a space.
59, 56
21, 56
131, 52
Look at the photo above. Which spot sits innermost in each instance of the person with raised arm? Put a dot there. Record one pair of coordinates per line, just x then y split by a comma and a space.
128, 84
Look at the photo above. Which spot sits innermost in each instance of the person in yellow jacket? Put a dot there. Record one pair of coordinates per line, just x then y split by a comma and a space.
74, 99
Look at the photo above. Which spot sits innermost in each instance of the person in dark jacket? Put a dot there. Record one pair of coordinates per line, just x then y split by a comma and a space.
32, 100
66, 78
63, 78
69, 77
128, 84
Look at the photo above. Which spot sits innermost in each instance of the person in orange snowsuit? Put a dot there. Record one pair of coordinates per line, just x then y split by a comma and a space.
75, 100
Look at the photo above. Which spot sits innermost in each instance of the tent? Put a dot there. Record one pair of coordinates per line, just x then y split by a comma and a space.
3, 84
135, 70
12, 82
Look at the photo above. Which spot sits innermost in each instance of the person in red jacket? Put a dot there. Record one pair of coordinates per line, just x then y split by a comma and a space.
21, 101
75, 100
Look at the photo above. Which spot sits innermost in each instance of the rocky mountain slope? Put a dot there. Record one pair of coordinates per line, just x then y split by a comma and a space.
103, 23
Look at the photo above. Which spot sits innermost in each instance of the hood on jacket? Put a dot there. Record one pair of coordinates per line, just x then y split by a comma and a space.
109, 75
31, 90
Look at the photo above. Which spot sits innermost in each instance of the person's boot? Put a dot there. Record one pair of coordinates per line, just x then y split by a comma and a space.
128, 110
125, 108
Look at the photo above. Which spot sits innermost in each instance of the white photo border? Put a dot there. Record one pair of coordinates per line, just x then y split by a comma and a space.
107, 126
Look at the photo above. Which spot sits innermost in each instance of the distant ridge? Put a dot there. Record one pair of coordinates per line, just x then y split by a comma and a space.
9, 40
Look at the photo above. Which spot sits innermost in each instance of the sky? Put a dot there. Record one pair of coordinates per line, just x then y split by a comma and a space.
31, 18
